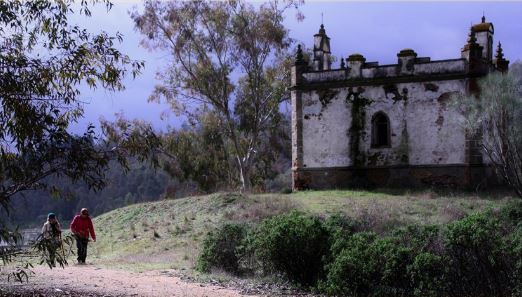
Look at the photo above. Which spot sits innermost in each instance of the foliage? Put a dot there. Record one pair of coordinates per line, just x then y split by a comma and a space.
63, 248
478, 255
494, 115
473, 256
512, 212
369, 265
479, 258
427, 274
40, 94
221, 249
516, 253
44, 61
351, 271
228, 57
200, 153
23, 258
293, 244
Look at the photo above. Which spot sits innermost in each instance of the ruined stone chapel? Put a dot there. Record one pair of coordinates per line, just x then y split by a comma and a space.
387, 125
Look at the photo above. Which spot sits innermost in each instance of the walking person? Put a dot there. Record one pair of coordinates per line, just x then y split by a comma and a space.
82, 227
52, 234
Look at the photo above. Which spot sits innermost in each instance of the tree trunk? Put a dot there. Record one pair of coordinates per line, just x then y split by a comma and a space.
244, 177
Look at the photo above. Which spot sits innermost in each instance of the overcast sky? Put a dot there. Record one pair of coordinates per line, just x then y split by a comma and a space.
377, 30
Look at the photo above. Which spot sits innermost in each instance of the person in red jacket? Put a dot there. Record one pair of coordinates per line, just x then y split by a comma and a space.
81, 227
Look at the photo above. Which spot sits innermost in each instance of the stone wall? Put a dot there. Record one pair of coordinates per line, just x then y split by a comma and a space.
452, 176
332, 125
423, 129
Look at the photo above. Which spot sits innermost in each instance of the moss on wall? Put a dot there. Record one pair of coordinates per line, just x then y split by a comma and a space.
326, 96
358, 111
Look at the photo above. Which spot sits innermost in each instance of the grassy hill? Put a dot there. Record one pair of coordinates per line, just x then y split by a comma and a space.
167, 234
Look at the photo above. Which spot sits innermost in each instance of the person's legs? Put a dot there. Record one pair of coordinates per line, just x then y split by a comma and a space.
85, 242
52, 254
81, 245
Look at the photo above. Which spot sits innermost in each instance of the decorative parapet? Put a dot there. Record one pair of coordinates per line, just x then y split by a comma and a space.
358, 69
324, 76
440, 67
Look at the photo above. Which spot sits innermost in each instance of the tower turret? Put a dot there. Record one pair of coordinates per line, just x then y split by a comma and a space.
472, 52
484, 33
321, 50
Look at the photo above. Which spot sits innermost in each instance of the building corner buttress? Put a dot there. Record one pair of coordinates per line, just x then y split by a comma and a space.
297, 119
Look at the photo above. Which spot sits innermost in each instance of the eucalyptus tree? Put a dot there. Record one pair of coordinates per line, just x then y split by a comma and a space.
230, 57
45, 62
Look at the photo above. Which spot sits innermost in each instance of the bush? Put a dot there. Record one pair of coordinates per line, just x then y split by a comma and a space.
420, 238
339, 227
221, 249
478, 256
293, 244
339, 222
354, 266
511, 213
366, 265
516, 254
427, 275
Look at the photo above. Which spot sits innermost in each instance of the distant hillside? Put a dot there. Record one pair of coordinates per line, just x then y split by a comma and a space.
168, 233
141, 183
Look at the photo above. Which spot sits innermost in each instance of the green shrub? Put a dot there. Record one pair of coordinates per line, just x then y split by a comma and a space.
516, 254
339, 227
353, 268
221, 249
420, 238
293, 244
395, 260
512, 212
367, 265
427, 274
340, 222
478, 256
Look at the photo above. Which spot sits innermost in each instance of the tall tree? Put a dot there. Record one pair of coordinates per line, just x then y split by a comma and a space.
44, 61
496, 114
228, 56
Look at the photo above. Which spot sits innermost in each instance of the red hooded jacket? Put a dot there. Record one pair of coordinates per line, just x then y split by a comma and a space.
83, 227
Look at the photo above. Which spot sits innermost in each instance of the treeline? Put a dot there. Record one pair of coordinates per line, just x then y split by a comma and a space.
141, 183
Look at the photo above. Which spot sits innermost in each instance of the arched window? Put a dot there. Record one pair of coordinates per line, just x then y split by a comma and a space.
380, 130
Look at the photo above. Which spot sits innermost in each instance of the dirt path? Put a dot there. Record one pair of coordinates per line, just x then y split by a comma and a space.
90, 280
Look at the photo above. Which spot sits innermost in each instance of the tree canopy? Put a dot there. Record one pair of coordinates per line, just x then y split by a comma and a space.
45, 62
229, 58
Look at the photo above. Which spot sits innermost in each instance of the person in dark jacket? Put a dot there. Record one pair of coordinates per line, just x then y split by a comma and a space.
52, 234
82, 227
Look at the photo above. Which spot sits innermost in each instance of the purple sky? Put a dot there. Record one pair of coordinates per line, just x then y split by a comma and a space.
378, 30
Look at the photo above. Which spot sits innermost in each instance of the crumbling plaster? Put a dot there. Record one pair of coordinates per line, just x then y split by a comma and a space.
423, 129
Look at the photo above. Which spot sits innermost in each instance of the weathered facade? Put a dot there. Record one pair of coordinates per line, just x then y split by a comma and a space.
387, 125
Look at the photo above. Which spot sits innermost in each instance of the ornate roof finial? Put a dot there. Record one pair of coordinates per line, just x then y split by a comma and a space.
299, 59
472, 39
483, 17
322, 30
342, 63
500, 54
